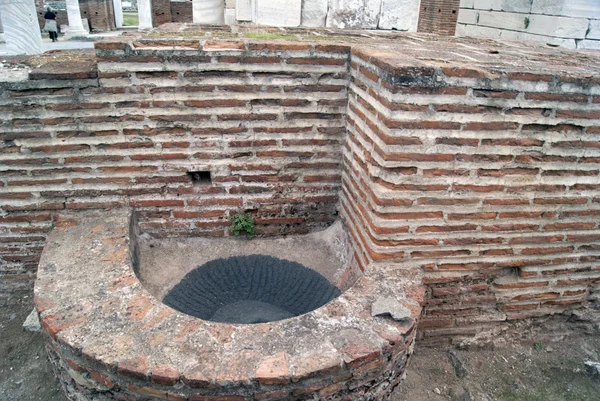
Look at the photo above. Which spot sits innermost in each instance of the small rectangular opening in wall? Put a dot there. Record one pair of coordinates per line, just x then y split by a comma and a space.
200, 177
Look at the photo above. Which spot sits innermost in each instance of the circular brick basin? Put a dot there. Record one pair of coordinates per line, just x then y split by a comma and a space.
109, 339
250, 289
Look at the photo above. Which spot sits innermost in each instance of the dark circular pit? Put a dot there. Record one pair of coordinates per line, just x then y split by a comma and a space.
250, 289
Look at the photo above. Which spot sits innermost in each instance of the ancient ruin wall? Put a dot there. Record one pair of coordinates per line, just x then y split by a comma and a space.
268, 125
488, 182
484, 179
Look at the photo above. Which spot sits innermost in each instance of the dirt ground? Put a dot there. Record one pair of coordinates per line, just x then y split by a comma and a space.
25, 372
544, 363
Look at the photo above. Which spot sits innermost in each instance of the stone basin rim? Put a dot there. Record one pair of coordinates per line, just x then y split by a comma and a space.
110, 238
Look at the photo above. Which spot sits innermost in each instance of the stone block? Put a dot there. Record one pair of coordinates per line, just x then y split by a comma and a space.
353, 14
243, 10
593, 31
478, 31
314, 13
562, 27
466, 16
208, 11
284, 13
501, 20
487, 5
581, 8
21, 27
402, 15
527, 37
516, 6
32, 323
588, 44
230, 16
466, 3
567, 8
549, 7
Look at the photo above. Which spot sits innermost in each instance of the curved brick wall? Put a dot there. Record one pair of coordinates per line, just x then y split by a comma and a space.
109, 339
484, 176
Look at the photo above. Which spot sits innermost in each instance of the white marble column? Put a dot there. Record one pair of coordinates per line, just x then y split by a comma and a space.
144, 14
208, 12
75, 23
21, 27
118, 13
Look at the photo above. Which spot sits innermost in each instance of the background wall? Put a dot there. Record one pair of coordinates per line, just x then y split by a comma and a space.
566, 23
438, 16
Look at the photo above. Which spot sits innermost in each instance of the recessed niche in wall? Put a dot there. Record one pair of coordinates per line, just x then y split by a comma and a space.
200, 177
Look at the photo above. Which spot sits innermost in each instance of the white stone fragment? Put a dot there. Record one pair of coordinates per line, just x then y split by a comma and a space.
390, 307
284, 13
527, 37
402, 15
118, 7
561, 27
74, 16
243, 10
467, 16
567, 8
581, 8
353, 14
502, 20
516, 6
588, 44
593, 31
230, 16
466, 3
32, 323
21, 27
314, 13
487, 4
550, 7
593, 368
208, 12
144, 14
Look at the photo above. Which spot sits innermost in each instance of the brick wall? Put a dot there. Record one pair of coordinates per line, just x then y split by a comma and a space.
161, 12
181, 11
268, 125
485, 180
489, 184
438, 16
100, 14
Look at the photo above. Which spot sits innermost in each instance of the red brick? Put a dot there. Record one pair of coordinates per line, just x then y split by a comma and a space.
215, 103
280, 46
136, 368
528, 76
273, 370
449, 228
491, 126
495, 94
165, 374
556, 97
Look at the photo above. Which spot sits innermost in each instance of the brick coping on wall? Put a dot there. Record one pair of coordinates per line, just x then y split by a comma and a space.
473, 161
110, 339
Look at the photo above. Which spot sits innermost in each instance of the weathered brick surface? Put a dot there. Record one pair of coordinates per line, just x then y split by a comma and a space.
154, 352
480, 192
485, 178
270, 134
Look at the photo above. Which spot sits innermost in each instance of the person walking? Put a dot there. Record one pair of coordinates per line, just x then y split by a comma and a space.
51, 27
